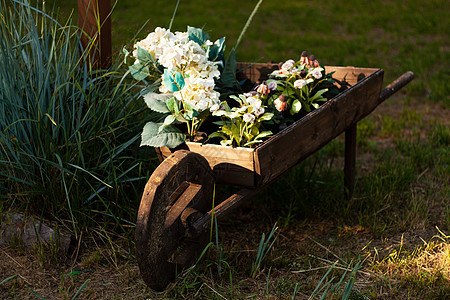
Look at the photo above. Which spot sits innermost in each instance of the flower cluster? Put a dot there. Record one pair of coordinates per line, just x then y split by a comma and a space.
240, 125
178, 53
186, 69
298, 85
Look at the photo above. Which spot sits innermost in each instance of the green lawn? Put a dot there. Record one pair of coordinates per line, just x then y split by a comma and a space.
396, 36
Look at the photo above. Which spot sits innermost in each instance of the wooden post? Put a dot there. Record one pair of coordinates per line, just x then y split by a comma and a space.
94, 18
350, 159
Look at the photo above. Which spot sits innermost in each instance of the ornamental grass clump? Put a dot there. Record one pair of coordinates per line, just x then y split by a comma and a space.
66, 130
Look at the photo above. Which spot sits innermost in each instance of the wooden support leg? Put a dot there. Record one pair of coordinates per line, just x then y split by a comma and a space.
350, 159
95, 20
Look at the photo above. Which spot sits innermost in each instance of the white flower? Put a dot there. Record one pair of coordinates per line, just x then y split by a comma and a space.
258, 111
249, 118
316, 73
214, 107
288, 65
174, 51
272, 85
253, 100
299, 83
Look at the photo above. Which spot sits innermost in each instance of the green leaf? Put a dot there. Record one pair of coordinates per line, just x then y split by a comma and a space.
197, 35
266, 117
217, 134
318, 95
228, 76
236, 133
216, 51
126, 53
227, 130
225, 142
157, 102
144, 57
172, 105
167, 122
263, 134
190, 112
173, 80
296, 106
169, 137
254, 131
7, 279
139, 72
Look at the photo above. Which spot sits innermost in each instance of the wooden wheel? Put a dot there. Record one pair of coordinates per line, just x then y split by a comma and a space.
177, 193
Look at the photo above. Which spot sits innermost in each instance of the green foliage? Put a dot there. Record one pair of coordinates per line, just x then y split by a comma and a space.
66, 129
300, 86
173, 80
240, 125
169, 136
265, 245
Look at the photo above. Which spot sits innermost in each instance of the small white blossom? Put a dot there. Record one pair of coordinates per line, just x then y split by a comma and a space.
299, 83
258, 111
316, 73
272, 85
214, 107
249, 118
288, 65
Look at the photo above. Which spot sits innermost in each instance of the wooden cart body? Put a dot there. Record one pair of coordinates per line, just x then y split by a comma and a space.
252, 167
177, 204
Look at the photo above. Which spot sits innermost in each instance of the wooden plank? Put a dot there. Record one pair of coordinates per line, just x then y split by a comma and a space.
307, 135
349, 74
230, 165
94, 19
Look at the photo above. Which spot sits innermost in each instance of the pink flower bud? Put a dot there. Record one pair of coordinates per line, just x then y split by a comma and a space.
263, 89
280, 103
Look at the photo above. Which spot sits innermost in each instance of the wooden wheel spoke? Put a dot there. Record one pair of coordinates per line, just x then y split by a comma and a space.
178, 192
181, 201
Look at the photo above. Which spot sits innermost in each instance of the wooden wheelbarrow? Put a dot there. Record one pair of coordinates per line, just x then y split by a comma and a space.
176, 206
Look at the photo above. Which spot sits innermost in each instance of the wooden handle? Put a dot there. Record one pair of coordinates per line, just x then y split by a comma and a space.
396, 85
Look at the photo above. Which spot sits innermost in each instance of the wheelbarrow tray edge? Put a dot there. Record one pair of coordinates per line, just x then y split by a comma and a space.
253, 167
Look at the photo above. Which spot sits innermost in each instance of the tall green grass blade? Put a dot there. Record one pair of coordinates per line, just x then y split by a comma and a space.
82, 287
173, 16
247, 24
7, 279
